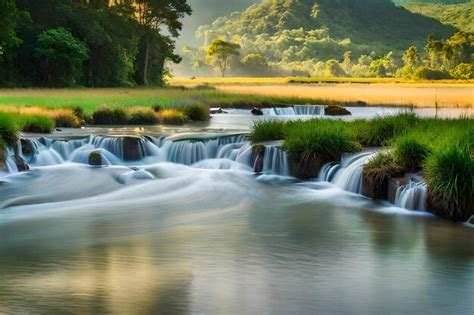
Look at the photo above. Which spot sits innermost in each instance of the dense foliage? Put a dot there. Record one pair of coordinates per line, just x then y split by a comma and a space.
300, 37
88, 43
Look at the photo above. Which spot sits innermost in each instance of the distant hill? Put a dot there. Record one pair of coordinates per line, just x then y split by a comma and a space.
298, 30
460, 15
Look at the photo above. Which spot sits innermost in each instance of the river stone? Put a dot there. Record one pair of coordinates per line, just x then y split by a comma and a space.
336, 110
132, 148
305, 168
95, 158
21, 164
257, 112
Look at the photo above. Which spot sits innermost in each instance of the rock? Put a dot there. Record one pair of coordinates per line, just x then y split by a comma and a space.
360, 104
21, 164
58, 129
258, 154
257, 112
95, 158
27, 148
3, 159
132, 148
336, 110
305, 169
218, 110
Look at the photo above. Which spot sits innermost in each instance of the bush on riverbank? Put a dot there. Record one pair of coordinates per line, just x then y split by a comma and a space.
37, 124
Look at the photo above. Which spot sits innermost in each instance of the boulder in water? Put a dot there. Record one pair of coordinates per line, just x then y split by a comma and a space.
132, 148
305, 168
257, 111
27, 148
95, 158
21, 164
258, 153
336, 110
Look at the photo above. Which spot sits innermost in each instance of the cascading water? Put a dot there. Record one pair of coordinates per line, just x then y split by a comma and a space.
348, 174
412, 196
297, 110
275, 161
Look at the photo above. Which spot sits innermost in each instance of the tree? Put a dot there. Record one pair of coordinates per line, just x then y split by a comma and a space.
153, 15
220, 53
411, 60
9, 16
61, 56
463, 71
334, 69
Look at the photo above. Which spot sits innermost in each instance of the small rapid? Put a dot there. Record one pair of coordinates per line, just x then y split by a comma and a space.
297, 110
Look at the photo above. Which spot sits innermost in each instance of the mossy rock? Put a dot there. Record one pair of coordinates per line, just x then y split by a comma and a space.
336, 110
95, 158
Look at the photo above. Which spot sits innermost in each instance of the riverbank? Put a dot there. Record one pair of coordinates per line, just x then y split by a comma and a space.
440, 151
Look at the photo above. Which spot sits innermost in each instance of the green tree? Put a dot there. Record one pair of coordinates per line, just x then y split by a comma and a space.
334, 69
61, 56
154, 15
220, 52
463, 71
411, 60
9, 16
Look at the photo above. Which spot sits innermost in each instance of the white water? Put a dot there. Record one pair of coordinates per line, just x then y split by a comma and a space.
412, 196
221, 153
297, 110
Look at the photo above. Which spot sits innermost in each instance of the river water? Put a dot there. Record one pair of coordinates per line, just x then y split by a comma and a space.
215, 238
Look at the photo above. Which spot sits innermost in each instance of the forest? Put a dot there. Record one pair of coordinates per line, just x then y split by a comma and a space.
92, 43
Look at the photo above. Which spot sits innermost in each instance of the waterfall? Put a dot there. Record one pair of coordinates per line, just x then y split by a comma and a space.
275, 161
412, 196
348, 173
297, 110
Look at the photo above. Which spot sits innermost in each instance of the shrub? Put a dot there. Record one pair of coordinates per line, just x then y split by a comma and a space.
450, 177
120, 116
103, 116
172, 117
143, 116
197, 112
65, 118
37, 124
78, 111
425, 73
410, 153
157, 108
269, 130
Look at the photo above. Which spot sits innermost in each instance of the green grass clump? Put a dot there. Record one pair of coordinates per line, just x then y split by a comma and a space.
37, 124
142, 116
379, 131
9, 128
172, 117
269, 130
379, 171
410, 153
327, 140
110, 116
197, 112
450, 177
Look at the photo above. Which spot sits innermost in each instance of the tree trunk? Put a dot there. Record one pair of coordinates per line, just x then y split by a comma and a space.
145, 65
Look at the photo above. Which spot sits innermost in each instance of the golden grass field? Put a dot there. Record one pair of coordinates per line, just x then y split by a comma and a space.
380, 92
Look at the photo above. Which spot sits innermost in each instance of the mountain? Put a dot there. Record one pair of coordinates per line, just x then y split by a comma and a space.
459, 14
299, 30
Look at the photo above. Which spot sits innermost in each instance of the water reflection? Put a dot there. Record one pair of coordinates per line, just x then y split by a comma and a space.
222, 242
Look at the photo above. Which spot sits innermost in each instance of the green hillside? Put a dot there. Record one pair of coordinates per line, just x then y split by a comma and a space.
301, 30
460, 15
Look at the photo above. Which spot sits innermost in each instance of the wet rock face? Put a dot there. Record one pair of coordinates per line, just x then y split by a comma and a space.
3, 159
376, 191
305, 168
132, 148
258, 153
95, 158
336, 110
21, 164
27, 148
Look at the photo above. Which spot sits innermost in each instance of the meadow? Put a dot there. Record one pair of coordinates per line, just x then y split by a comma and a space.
347, 91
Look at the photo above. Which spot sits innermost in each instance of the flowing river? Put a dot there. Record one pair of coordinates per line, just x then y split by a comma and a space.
186, 226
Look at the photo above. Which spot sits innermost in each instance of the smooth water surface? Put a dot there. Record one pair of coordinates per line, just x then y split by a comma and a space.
78, 239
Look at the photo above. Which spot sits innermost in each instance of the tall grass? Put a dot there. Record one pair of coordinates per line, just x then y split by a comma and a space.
269, 130
450, 177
